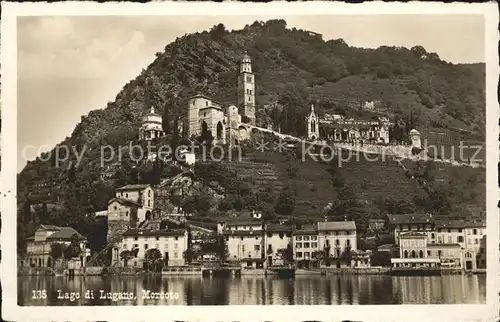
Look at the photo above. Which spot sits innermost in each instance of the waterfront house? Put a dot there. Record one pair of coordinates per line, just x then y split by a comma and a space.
171, 244
241, 223
474, 232
337, 239
452, 255
403, 223
413, 251
38, 251
306, 247
278, 244
246, 246
450, 232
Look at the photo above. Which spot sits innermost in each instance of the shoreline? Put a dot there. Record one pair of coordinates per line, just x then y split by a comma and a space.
233, 272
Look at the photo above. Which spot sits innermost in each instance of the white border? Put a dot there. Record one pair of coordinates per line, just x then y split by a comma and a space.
386, 313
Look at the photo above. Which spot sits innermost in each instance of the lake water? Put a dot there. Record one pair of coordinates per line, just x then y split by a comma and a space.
257, 290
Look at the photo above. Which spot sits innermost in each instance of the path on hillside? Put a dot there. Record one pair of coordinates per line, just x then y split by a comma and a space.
355, 148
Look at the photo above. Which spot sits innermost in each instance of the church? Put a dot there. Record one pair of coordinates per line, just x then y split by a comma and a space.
224, 122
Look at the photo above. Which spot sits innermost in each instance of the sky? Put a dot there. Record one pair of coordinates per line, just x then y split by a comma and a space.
68, 66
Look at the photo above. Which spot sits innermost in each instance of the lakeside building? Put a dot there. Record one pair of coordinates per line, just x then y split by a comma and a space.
467, 234
246, 246
278, 244
415, 251
306, 247
403, 223
170, 243
337, 239
38, 250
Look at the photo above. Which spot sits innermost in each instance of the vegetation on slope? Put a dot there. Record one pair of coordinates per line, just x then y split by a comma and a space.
293, 69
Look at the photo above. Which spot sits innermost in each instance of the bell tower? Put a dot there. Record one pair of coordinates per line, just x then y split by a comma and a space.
246, 89
312, 125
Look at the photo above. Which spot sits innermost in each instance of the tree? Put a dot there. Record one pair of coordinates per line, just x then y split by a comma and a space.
188, 255
286, 254
381, 259
56, 251
125, 256
347, 255
73, 249
153, 259
222, 248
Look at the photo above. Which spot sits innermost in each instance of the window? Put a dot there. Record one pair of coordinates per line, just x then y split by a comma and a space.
206, 103
249, 79
307, 254
126, 213
149, 203
306, 237
460, 239
299, 254
439, 253
126, 195
149, 193
145, 246
428, 253
337, 242
257, 248
124, 246
241, 238
314, 245
269, 235
242, 248
298, 237
432, 236
476, 241
298, 245
157, 238
439, 230
459, 230
249, 98
176, 254
449, 230
135, 238
176, 238
314, 237
474, 231
306, 245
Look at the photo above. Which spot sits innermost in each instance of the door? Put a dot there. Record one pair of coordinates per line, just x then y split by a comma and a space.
468, 265
270, 260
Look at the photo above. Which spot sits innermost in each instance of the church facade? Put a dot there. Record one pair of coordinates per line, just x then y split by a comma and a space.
224, 122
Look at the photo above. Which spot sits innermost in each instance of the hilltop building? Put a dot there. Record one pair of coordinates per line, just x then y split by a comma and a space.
312, 125
415, 139
151, 126
206, 115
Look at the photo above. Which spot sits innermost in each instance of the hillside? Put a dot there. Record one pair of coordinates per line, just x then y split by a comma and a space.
293, 68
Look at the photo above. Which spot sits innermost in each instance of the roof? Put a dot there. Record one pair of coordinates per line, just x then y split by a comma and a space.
134, 187
243, 233
336, 225
279, 228
413, 234
307, 229
376, 220
450, 223
49, 227
66, 233
125, 202
410, 218
243, 222
147, 232
385, 247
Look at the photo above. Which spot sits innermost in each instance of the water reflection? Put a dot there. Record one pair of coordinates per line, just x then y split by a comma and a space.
255, 290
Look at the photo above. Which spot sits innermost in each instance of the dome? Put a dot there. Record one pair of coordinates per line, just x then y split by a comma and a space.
414, 132
152, 117
246, 58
